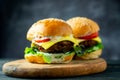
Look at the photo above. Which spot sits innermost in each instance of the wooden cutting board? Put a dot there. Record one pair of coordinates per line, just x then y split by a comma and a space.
22, 68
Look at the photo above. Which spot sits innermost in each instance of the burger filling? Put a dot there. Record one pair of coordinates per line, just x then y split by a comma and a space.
47, 42
60, 47
62, 50
87, 46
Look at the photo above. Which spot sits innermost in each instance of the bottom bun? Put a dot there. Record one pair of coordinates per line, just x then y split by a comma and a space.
92, 55
49, 58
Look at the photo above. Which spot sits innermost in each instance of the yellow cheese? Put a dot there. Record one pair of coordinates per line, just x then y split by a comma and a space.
79, 40
98, 39
48, 44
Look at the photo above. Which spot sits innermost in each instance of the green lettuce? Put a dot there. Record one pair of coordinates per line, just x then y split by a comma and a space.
32, 50
80, 51
36, 52
46, 56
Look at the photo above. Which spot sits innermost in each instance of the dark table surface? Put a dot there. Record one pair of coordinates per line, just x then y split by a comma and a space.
111, 73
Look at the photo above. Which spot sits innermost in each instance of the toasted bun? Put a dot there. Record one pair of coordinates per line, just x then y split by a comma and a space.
65, 58
83, 26
49, 27
93, 55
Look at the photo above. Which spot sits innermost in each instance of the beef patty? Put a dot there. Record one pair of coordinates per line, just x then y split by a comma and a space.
88, 43
60, 47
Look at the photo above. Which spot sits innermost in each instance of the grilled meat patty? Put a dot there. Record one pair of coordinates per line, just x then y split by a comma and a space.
63, 46
88, 43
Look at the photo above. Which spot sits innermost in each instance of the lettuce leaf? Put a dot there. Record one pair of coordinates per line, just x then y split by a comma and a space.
32, 50
80, 51
47, 57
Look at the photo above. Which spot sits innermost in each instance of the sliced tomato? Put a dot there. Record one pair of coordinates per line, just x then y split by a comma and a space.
93, 35
42, 40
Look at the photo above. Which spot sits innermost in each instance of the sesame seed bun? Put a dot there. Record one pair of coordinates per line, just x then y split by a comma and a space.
83, 26
49, 27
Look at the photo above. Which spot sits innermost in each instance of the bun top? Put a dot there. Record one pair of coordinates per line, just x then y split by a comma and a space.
82, 26
49, 27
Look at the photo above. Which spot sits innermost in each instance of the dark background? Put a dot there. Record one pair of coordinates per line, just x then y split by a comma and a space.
16, 16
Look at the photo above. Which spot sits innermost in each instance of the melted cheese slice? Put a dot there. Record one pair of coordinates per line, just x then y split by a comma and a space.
54, 40
98, 39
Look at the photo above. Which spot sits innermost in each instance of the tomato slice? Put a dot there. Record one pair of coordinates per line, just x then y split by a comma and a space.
42, 40
93, 35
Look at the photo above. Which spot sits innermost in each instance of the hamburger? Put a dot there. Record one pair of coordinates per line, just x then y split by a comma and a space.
86, 32
51, 42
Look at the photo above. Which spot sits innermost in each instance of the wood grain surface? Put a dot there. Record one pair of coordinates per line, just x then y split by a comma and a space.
22, 68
